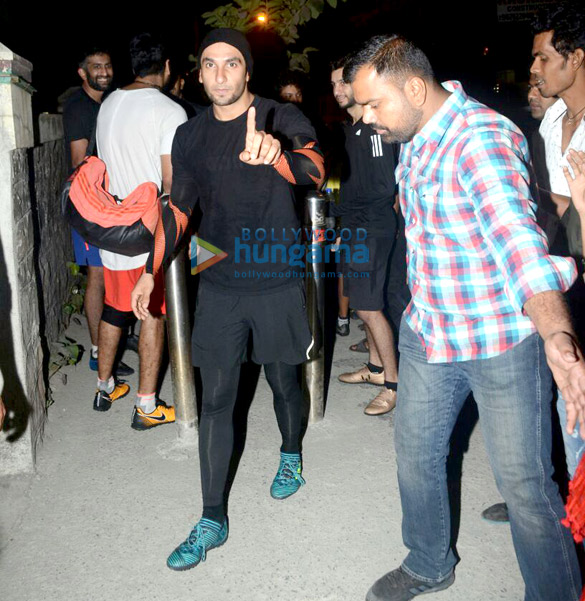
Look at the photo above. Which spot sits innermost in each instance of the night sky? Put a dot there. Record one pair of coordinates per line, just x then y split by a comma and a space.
462, 38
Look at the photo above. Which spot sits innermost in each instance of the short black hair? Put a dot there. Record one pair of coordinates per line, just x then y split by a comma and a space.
148, 55
91, 51
291, 78
567, 22
391, 56
338, 63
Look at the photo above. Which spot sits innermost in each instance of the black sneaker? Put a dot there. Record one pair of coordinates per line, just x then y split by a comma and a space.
132, 343
123, 370
496, 513
342, 327
397, 585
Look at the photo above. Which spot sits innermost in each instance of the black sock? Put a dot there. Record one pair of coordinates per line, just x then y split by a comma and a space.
291, 449
375, 369
214, 512
391, 385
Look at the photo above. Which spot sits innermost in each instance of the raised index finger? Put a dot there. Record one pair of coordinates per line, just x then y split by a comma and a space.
250, 128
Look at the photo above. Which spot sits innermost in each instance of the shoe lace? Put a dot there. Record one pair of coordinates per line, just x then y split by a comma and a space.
289, 470
196, 540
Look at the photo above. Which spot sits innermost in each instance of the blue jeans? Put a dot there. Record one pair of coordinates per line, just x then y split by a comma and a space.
513, 393
574, 444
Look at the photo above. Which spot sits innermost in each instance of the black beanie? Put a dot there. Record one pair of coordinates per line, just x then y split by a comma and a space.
232, 37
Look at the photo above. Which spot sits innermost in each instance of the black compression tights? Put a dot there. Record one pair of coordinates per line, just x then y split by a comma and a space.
216, 433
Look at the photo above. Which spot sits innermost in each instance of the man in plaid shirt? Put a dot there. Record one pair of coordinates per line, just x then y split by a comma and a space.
487, 314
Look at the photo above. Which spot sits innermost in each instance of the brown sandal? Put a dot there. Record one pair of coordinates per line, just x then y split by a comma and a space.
360, 347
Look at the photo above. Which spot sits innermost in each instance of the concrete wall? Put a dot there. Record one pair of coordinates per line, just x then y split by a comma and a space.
50, 128
34, 248
53, 248
16, 132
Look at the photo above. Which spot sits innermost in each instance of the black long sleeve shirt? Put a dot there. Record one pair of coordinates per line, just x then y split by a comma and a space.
237, 200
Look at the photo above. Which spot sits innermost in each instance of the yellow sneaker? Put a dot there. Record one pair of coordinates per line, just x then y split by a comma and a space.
161, 415
103, 400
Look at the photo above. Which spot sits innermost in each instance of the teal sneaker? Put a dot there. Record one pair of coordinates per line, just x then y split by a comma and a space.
288, 479
206, 535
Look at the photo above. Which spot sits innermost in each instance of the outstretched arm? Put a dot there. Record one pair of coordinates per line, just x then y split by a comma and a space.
303, 164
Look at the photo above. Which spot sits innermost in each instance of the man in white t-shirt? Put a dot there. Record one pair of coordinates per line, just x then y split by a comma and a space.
135, 131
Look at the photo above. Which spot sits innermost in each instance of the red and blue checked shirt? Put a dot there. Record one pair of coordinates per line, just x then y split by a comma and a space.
475, 253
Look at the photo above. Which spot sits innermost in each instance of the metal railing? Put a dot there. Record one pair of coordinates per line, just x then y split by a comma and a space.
315, 222
179, 330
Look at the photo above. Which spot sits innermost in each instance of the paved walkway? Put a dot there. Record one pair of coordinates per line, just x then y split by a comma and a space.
108, 504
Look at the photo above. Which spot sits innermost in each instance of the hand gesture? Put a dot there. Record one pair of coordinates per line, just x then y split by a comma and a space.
566, 363
140, 297
261, 148
577, 180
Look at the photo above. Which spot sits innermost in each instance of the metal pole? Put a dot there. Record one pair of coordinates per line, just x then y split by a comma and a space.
179, 330
314, 369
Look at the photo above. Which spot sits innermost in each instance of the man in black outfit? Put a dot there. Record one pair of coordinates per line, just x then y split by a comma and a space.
226, 159
82, 107
367, 209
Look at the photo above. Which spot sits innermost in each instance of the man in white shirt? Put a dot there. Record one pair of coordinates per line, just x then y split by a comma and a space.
135, 131
559, 66
559, 69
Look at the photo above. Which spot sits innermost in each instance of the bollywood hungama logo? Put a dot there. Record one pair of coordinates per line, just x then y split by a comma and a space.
204, 255
294, 247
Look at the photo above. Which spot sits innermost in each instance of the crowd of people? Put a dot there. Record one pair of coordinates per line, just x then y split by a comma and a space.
458, 262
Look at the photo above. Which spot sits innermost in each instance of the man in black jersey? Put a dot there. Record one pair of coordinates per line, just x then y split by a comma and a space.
82, 107
367, 209
238, 159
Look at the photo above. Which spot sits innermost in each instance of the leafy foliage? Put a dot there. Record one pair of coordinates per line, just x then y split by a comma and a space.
74, 303
284, 17
299, 61
67, 351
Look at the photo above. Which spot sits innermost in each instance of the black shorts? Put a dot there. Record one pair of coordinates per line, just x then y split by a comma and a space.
277, 322
115, 317
365, 283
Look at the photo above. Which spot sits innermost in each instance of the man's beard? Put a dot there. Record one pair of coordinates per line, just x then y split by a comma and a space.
227, 100
405, 131
349, 104
95, 85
